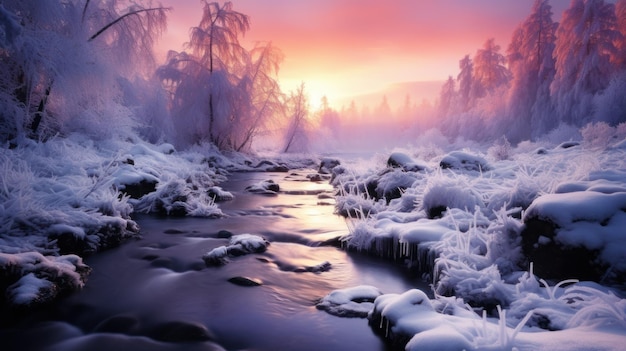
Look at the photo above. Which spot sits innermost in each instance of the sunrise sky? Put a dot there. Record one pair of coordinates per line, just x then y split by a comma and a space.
342, 48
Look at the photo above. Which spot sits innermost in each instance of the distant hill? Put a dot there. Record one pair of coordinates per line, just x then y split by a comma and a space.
396, 93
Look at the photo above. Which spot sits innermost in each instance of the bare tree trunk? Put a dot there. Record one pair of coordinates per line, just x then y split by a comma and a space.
40, 110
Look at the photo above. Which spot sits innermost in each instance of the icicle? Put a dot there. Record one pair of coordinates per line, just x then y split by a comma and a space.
386, 328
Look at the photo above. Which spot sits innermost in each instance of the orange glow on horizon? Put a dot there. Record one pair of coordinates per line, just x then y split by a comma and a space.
344, 48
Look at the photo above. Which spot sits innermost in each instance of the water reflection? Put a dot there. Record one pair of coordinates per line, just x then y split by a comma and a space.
161, 283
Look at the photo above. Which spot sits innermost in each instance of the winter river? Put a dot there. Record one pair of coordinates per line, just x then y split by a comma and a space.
156, 293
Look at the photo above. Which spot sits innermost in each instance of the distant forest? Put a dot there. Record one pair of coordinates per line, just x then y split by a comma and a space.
72, 66
571, 73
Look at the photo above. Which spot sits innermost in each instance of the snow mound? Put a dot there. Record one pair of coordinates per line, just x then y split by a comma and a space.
218, 194
445, 193
356, 301
464, 161
412, 320
239, 245
33, 278
586, 224
405, 162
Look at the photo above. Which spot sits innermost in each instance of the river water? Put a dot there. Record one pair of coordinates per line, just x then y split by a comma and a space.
156, 293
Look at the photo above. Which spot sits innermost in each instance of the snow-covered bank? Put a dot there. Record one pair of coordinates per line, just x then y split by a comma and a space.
468, 221
75, 196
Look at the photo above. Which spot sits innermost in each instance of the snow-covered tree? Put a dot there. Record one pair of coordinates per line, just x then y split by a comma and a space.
329, 119
383, 110
221, 92
585, 46
296, 133
261, 96
215, 44
447, 97
532, 66
490, 71
466, 82
620, 12
61, 60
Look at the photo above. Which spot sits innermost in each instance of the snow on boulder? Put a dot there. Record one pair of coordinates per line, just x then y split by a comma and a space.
265, 187
30, 290
327, 164
239, 245
401, 316
446, 193
133, 181
391, 185
178, 198
411, 242
218, 194
405, 162
598, 185
356, 301
464, 161
31, 278
577, 235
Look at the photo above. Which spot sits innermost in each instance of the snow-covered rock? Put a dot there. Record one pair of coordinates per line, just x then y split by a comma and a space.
327, 164
412, 321
238, 245
34, 279
356, 301
405, 162
218, 194
271, 166
464, 161
265, 187
577, 234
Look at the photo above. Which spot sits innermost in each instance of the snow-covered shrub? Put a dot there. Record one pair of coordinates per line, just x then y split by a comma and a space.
357, 206
500, 150
443, 192
392, 184
610, 105
598, 135
563, 131
519, 192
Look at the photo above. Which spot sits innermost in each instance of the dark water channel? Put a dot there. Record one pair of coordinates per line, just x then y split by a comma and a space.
156, 293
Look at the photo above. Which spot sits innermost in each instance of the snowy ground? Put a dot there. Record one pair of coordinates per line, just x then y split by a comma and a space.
525, 248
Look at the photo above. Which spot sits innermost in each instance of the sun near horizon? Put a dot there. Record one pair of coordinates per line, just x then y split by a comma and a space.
350, 48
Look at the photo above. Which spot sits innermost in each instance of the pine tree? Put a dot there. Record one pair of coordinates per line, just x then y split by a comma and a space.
466, 82
585, 46
490, 71
447, 96
620, 12
532, 65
